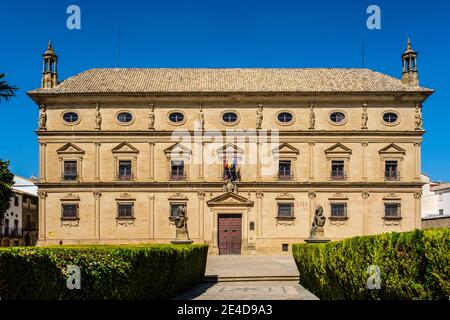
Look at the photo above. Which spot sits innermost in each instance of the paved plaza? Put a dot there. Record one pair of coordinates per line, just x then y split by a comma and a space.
249, 278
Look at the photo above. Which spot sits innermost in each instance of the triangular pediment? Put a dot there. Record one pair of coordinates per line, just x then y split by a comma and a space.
230, 148
125, 147
70, 148
392, 149
178, 149
230, 199
338, 148
285, 148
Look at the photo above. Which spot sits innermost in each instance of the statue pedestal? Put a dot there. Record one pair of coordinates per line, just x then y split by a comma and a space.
317, 236
181, 237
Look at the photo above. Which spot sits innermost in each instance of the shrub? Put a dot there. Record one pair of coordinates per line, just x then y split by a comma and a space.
107, 272
413, 265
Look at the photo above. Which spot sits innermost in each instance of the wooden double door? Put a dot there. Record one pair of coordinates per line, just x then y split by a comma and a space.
230, 233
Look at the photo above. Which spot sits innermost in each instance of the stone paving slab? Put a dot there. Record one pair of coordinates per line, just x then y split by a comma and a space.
248, 290
251, 266
281, 270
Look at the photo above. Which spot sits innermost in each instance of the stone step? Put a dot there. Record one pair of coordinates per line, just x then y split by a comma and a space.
215, 278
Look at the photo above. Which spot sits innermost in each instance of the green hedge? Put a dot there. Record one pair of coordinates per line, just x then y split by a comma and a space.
413, 265
107, 272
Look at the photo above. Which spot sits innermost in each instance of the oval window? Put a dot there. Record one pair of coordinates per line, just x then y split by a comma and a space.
229, 117
124, 117
285, 117
176, 117
337, 117
70, 117
390, 117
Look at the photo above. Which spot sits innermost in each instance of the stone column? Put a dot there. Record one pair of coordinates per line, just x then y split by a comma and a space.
259, 196
201, 214
97, 161
312, 207
97, 218
258, 160
364, 161
201, 164
43, 162
151, 216
417, 161
151, 169
417, 210
365, 196
311, 160
42, 216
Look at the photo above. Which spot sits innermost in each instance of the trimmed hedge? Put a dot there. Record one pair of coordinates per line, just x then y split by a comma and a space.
107, 272
413, 265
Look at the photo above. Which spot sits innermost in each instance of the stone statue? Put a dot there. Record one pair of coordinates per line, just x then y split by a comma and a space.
181, 219
229, 186
312, 117
182, 234
364, 117
151, 117
201, 118
259, 116
319, 218
418, 117
42, 122
98, 117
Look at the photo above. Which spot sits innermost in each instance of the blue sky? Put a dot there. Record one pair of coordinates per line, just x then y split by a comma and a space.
232, 33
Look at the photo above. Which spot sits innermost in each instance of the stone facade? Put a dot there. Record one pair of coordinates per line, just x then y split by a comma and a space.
362, 168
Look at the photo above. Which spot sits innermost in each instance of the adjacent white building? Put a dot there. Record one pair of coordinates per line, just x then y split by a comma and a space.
20, 223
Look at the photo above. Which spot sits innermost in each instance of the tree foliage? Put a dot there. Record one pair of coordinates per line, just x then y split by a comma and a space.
6, 90
6, 182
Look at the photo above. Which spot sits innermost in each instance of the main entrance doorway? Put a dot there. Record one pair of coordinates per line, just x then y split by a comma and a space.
230, 233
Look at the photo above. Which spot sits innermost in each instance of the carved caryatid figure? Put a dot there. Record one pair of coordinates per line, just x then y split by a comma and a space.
364, 117
319, 218
98, 117
259, 116
151, 117
181, 219
312, 116
42, 122
201, 118
418, 117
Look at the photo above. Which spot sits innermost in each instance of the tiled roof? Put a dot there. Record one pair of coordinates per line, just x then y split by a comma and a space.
178, 81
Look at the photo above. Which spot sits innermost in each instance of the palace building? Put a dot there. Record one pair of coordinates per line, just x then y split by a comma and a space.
248, 153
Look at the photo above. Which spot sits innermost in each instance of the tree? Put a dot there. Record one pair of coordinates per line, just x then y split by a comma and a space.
6, 182
6, 91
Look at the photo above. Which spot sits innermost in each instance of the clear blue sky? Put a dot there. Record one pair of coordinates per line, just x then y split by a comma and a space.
232, 33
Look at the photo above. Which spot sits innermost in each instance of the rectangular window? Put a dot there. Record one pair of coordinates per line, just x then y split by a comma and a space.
441, 212
337, 170
285, 210
391, 170
16, 201
70, 170
125, 172
338, 210
392, 210
125, 210
284, 170
174, 208
177, 170
69, 211
285, 247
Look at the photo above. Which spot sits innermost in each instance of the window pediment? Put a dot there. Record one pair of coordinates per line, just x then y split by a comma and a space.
392, 149
229, 148
337, 149
285, 149
178, 151
70, 148
125, 147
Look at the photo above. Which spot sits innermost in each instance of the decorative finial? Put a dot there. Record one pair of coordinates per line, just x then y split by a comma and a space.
409, 44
